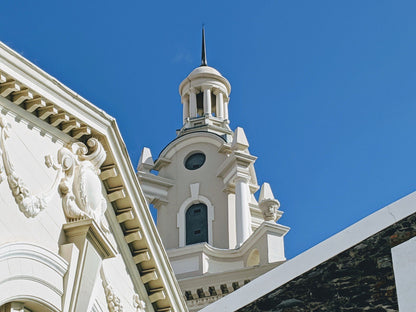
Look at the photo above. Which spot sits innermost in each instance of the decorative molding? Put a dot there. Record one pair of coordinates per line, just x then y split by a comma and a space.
30, 205
81, 187
113, 301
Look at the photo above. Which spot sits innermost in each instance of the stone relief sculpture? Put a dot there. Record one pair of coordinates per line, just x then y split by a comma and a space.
270, 210
80, 186
268, 204
77, 175
29, 204
113, 301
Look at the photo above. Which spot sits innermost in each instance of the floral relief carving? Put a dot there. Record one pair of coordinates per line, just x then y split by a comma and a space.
113, 302
139, 304
30, 205
80, 186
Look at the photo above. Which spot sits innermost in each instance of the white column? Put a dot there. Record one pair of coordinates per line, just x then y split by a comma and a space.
226, 110
220, 105
192, 105
185, 108
242, 210
207, 101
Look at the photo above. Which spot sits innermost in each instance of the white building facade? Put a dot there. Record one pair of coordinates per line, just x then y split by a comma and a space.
217, 234
75, 230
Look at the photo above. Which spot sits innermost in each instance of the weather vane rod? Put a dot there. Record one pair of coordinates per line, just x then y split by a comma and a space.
203, 51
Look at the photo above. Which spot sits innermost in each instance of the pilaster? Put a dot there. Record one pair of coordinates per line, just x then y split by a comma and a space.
242, 209
94, 247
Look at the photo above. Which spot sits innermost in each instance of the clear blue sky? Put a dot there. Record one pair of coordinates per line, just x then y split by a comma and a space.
325, 90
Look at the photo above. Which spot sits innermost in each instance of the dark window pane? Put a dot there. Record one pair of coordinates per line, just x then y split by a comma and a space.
196, 224
195, 161
200, 104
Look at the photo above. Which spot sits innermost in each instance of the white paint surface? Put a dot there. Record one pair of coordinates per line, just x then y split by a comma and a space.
190, 264
404, 265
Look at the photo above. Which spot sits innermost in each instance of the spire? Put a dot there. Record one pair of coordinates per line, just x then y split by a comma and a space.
203, 52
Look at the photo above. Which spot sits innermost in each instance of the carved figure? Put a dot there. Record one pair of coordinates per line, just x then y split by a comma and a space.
80, 187
270, 209
29, 204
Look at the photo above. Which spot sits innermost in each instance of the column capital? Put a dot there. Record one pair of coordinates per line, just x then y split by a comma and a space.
185, 98
80, 231
216, 91
206, 87
241, 177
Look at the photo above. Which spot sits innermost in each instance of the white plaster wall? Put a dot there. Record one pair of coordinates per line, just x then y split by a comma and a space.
191, 264
27, 147
213, 266
210, 186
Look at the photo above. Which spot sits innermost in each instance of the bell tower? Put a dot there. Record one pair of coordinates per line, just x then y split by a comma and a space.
205, 96
217, 234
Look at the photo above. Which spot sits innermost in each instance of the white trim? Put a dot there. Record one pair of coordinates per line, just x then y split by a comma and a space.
404, 260
318, 254
180, 217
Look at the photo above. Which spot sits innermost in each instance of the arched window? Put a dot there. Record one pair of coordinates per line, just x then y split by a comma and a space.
196, 224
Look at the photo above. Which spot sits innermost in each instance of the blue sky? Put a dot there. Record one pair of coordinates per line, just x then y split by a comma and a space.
325, 90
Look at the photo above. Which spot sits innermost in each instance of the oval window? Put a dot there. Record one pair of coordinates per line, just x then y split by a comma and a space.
195, 161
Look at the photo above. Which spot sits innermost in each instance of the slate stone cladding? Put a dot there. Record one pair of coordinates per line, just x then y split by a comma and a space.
358, 279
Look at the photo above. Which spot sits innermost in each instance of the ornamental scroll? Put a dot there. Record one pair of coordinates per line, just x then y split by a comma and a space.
80, 187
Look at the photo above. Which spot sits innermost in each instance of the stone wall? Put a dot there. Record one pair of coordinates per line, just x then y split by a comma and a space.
358, 279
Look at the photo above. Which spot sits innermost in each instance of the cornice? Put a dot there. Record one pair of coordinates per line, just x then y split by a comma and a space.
151, 178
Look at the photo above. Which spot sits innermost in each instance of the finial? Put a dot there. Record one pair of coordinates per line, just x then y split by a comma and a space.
203, 52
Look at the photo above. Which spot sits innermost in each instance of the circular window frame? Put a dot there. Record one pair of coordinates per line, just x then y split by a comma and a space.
193, 154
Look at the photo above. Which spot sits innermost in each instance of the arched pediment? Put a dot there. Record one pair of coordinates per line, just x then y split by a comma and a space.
31, 273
